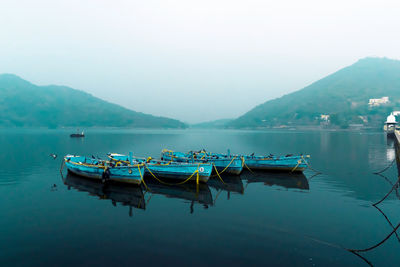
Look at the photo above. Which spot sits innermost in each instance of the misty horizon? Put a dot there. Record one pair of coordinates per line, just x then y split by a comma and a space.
192, 62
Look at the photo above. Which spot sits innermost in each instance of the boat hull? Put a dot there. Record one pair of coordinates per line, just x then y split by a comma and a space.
91, 169
229, 165
180, 171
77, 135
292, 164
170, 170
226, 165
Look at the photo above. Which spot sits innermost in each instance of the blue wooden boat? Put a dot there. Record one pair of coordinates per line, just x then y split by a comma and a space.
168, 169
274, 163
271, 163
104, 170
223, 163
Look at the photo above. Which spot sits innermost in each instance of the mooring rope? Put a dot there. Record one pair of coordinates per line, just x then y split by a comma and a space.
298, 163
391, 190
219, 176
361, 257
309, 165
387, 180
377, 245
247, 167
195, 172
390, 165
141, 177
387, 219
223, 169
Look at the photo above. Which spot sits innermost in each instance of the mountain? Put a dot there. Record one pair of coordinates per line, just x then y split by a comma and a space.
217, 124
343, 95
24, 104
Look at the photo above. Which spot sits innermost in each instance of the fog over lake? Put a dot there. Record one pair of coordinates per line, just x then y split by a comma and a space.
193, 61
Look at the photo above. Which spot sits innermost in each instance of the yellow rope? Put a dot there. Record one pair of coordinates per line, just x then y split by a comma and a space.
141, 177
309, 166
244, 163
298, 163
225, 167
215, 168
197, 178
87, 165
196, 171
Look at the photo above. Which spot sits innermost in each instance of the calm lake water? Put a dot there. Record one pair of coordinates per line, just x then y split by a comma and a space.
257, 218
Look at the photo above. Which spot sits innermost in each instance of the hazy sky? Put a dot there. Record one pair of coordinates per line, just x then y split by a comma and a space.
191, 60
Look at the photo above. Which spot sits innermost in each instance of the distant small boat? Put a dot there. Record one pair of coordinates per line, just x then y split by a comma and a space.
104, 170
77, 134
168, 169
223, 163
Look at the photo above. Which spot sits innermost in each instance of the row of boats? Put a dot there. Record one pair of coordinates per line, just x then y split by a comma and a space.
178, 166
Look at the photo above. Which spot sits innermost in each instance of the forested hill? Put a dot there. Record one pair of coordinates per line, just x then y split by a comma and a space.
24, 104
343, 96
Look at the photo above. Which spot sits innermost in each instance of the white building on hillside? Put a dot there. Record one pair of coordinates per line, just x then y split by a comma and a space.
374, 102
324, 117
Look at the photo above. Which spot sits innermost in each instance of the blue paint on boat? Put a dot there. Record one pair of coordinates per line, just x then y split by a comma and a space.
284, 163
272, 163
169, 169
100, 169
225, 164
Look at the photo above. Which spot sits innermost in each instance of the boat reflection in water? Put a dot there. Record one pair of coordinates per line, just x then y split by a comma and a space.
231, 184
127, 195
190, 191
287, 180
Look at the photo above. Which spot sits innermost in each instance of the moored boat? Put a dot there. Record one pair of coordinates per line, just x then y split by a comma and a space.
286, 163
223, 163
275, 163
104, 170
168, 169
77, 134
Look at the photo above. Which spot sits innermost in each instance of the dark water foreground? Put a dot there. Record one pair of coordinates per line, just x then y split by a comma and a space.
258, 219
